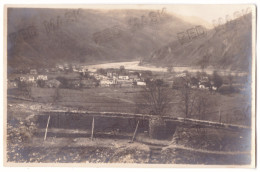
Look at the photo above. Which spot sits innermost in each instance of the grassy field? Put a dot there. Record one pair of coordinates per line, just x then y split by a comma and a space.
224, 108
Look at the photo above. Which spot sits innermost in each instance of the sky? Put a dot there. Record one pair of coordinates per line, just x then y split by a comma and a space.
206, 13
195, 14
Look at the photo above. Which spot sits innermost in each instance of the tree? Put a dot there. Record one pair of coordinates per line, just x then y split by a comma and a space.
204, 62
194, 81
217, 80
155, 98
187, 98
187, 101
41, 83
56, 95
202, 104
101, 71
64, 82
25, 88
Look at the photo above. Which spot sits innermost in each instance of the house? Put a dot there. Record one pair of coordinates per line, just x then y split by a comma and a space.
82, 69
204, 85
181, 75
123, 77
106, 83
115, 81
53, 83
115, 77
134, 77
31, 79
75, 70
33, 72
214, 88
141, 83
23, 78
109, 74
27, 78
204, 79
42, 77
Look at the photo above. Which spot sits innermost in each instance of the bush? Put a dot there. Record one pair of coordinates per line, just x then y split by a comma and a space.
228, 90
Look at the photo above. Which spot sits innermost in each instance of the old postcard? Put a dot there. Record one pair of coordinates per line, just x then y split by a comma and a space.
130, 85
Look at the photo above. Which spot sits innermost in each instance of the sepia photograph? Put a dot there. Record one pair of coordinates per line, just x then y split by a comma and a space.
167, 85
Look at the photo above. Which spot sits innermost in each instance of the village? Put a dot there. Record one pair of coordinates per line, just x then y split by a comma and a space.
78, 77
74, 77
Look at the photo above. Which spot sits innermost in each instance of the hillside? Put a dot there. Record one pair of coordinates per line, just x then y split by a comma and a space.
86, 36
227, 47
95, 36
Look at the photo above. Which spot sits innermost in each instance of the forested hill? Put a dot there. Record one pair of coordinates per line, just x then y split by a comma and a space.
45, 37
228, 46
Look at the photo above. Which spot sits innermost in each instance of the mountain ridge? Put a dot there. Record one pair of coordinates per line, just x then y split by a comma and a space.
93, 36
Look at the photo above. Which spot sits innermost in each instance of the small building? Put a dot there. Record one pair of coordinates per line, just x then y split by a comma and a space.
109, 74
23, 78
75, 70
204, 85
60, 67
115, 81
214, 88
27, 78
123, 77
204, 79
141, 83
31, 79
181, 75
42, 77
106, 83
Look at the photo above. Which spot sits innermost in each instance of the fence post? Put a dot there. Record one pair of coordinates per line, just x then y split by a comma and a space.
219, 113
46, 130
92, 131
135, 131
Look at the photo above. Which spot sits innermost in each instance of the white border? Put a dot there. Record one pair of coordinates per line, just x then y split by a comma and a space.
106, 2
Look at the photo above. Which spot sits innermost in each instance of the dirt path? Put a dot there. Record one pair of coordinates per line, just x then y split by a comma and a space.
206, 151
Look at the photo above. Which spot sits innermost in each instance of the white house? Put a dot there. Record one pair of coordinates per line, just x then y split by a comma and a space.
31, 79
105, 83
123, 77
27, 78
23, 78
42, 77
181, 75
141, 83
109, 74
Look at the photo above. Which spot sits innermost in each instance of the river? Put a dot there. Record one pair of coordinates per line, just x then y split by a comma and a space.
134, 65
